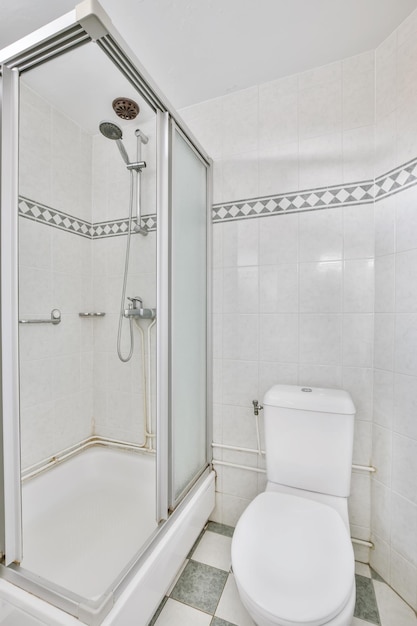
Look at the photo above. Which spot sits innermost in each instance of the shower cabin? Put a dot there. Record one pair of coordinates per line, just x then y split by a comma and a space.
105, 326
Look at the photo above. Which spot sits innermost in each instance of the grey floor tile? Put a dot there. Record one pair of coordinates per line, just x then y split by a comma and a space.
216, 621
200, 586
158, 611
366, 606
221, 529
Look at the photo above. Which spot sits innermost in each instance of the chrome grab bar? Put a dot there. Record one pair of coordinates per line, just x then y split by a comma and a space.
55, 319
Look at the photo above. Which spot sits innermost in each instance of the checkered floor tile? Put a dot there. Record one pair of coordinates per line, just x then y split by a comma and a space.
205, 594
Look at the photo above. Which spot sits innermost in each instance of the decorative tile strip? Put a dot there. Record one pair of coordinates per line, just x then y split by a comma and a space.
363, 192
396, 180
41, 213
120, 227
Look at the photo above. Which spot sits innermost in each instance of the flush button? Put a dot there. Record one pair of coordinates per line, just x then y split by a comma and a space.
306, 389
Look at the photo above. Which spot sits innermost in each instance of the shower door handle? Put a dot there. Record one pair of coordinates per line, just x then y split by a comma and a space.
54, 319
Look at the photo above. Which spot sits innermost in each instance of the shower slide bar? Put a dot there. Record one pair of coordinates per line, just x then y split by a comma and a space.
54, 319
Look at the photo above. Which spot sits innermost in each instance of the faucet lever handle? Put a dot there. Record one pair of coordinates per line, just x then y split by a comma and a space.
135, 301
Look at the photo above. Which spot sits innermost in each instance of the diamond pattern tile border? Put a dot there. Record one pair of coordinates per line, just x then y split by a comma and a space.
363, 192
46, 215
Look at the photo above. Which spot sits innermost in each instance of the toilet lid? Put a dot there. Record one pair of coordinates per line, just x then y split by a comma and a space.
293, 559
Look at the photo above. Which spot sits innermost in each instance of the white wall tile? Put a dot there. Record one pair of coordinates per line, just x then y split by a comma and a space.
358, 232
384, 341
239, 427
240, 176
358, 340
278, 240
240, 337
404, 577
35, 245
278, 112
358, 154
382, 454
362, 444
358, 381
278, 338
405, 405
386, 76
385, 143
320, 376
320, 339
206, 122
358, 503
381, 510
358, 90
321, 236
240, 382
279, 169
271, 374
35, 292
358, 286
321, 287
278, 287
380, 557
406, 127
405, 342
385, 226
404, 528
241, 243
240, 133
406, 69
385, 284
405, 283
406, 221
321, 161
240, 290
383, 398
404, 466
320, 108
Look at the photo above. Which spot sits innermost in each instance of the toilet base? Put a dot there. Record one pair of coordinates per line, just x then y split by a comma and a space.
344, 618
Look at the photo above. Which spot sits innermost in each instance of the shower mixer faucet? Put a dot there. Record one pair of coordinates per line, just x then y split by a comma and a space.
135, 310
134, 302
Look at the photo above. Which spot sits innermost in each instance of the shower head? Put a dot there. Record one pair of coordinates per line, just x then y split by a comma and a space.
110, 130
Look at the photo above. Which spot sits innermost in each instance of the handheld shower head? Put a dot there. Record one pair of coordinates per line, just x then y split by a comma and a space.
110, 130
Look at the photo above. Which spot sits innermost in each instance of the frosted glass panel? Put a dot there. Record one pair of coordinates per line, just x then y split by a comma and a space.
188, 330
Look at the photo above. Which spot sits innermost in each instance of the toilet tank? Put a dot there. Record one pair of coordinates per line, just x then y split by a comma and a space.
309, 438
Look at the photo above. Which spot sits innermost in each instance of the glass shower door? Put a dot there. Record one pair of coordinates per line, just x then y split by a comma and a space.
188, 317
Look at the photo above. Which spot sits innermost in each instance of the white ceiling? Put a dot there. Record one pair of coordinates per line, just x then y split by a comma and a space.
199, 49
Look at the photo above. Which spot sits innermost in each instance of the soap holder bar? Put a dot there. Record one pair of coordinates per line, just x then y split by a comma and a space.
87, 314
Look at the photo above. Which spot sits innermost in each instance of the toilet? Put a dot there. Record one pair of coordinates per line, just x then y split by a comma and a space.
292, 555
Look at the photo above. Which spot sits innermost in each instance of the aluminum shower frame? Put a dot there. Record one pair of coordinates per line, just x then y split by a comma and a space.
88, 22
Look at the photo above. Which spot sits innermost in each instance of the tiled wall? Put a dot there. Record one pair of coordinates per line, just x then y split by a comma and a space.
394, 488
71, 257
118, 387
54, 272
294, 298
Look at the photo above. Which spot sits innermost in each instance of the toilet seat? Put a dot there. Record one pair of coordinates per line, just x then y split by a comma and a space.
292, 560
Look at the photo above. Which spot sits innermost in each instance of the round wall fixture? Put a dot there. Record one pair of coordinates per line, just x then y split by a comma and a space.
125, 108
